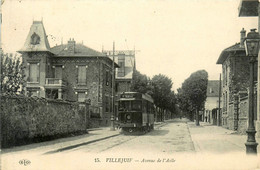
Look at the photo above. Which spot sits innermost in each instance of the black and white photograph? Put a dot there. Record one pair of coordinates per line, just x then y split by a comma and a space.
127, 85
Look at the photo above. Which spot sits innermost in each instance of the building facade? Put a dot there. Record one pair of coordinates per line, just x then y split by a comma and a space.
212, 102
235, 84
71, 72
124, 73
251, 9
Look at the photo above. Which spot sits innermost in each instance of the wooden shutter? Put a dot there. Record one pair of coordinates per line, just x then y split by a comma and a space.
82, 74
34, 73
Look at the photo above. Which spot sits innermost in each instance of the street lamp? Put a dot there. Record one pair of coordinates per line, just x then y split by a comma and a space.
252, 49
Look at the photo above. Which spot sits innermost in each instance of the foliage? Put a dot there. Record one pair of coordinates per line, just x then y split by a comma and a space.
163, 96
12, 77
172, 102
193, 93
141, 83
159, 87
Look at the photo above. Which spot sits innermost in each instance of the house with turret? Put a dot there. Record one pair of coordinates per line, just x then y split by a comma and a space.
71, 72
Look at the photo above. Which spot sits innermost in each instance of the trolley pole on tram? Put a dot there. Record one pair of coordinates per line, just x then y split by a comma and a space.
112, 128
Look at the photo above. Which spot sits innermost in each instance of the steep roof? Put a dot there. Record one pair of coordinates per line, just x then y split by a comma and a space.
234, 48
213, 88
36, 39
80, 50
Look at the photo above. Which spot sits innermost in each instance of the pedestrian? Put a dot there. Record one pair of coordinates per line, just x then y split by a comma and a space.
206, 118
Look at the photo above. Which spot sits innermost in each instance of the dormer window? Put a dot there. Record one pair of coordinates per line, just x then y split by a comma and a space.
35, 39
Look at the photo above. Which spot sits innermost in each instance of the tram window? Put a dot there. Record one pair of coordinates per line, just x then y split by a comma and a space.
144, 106
136, 105
124, 106
148, 107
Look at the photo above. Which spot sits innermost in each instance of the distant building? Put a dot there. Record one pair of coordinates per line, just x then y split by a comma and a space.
124, 74
212, 102
71, 72
235, 83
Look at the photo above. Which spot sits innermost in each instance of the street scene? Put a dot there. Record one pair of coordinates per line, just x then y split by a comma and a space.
174, 141
130, 85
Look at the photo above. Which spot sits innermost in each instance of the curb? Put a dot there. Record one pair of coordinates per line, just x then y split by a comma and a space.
91, 141
195, 145
80, 144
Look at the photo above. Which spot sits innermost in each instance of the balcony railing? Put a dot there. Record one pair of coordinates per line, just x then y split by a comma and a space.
54, 82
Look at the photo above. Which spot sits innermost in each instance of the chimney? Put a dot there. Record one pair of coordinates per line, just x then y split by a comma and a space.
242, 37
71, 46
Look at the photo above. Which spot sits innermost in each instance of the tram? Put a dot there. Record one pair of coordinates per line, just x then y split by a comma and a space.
135, 112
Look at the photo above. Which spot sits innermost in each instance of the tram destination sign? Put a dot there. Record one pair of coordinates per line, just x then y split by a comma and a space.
131, 95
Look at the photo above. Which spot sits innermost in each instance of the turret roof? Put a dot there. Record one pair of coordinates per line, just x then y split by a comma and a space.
36, 39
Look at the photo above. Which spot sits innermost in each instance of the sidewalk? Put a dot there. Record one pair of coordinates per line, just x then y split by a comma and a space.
214, 139
57, 145
94, 135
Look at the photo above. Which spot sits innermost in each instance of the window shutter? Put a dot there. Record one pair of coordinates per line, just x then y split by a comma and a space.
77, 74
38, 72
86, 74
82, 74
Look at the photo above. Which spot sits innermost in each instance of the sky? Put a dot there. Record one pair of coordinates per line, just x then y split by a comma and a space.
174, 38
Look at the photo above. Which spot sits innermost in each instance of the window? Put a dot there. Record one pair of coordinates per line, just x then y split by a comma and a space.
130, 105
145, 106
116, 88
136, 105
111, 83
51, 93
107, 77
34, 72
82, 75
226, 100
226, 75
148, 107
81, 97
58, 72
125, 105
121, 69
33, 93
107, 104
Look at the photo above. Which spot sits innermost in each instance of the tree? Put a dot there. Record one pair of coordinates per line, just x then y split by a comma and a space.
12, 77
161, 90
183, 103
141, 83
172, 103
193, 93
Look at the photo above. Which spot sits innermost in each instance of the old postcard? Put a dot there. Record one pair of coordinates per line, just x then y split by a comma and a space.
112, 84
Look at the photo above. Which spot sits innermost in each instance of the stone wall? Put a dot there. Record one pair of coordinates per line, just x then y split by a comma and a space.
28, 119
243, 112
230, 119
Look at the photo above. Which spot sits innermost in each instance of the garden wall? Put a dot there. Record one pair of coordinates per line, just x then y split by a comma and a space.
29, 119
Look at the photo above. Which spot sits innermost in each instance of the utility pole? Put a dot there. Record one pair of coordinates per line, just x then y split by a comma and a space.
219, 98
112, 128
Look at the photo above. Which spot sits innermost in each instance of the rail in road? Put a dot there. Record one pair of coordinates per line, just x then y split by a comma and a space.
103, 144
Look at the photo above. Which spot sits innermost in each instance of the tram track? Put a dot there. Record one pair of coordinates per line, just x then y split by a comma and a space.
134, 137
103, 143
